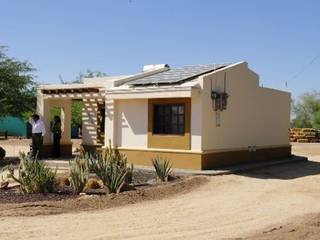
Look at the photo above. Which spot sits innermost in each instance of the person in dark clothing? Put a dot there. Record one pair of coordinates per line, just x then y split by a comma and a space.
56, 131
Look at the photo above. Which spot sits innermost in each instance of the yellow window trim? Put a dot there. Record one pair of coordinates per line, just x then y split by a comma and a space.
169, 141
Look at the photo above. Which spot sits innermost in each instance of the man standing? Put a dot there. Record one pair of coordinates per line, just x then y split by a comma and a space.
38, 131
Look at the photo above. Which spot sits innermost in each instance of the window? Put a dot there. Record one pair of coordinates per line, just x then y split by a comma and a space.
169, 119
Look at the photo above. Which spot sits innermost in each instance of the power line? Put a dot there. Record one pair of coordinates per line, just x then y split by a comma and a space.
313, 60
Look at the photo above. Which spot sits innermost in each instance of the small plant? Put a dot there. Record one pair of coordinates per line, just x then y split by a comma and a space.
111, 167
79, 173
115, 177
163, 168
34, 176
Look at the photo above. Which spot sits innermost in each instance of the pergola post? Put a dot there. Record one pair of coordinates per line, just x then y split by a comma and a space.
44, 105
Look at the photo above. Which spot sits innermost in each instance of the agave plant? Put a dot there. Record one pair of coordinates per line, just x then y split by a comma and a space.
115, 177
163, 168
111, 167
34, 176
79, 173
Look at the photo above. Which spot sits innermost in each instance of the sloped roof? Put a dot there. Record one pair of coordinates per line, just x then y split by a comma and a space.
176, 75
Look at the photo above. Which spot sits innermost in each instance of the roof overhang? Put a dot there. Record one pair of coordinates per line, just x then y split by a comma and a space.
152, 92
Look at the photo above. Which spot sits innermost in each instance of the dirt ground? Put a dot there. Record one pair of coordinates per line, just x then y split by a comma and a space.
279, 202
15, 204
15, 145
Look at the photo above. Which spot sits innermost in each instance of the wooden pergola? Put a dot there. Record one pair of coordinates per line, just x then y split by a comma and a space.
61, 96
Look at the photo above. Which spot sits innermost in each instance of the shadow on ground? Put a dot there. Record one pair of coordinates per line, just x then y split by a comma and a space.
285, 171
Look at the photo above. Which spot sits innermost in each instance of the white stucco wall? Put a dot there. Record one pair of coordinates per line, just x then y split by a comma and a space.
132, 123
196, 121
254, 117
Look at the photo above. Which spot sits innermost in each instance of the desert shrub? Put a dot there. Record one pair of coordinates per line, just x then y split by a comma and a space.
163, 168
63, 181
79, 173
93, 183
34, 176
111, 167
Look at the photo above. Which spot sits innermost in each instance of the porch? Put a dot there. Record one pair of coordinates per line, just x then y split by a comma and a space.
93, 113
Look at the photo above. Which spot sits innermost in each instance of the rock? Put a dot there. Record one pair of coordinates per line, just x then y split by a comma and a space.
100, 191
171, 178
152, 182
2, 153
127, 187
87, 196
4, 185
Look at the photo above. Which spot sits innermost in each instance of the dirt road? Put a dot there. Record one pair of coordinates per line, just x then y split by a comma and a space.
227, 207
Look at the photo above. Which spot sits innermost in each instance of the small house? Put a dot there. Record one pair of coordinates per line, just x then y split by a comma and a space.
198, 117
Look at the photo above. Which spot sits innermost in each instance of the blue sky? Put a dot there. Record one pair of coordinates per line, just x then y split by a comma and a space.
279, 39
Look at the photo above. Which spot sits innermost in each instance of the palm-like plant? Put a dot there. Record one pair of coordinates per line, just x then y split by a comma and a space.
163, 168
79, 173
111, 167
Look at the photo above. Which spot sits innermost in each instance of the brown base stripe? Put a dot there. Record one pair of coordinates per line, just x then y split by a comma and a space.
185, 160
198, 161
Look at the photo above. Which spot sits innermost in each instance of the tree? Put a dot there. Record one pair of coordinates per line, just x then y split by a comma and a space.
306, 111
76, 112
17, 86
88, 74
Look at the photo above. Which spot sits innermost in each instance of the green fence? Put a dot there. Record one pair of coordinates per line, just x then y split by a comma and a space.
18, 127
14, 126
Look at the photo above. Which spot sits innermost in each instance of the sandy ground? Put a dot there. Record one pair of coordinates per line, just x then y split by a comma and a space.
13, 146
227, 206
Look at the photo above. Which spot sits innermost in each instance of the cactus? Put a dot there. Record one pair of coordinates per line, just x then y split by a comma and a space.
163, 168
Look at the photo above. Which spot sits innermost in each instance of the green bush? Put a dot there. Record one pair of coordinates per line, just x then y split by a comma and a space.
79, 173
163, 168
34, 176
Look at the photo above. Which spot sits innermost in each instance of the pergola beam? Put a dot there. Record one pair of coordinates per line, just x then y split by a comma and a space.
70, 90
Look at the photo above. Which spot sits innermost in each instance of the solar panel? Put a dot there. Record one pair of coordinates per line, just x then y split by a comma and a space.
176, 75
